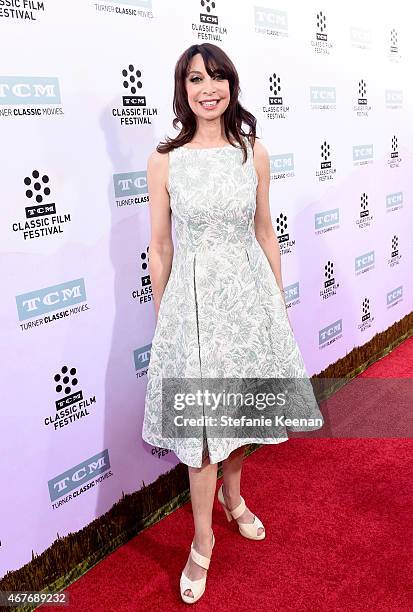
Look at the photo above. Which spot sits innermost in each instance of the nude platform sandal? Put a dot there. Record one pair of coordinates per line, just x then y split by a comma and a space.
197, 586
248, 530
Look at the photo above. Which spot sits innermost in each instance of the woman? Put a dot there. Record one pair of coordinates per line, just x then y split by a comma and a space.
218, 293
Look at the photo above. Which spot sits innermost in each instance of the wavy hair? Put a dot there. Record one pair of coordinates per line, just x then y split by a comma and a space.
215, 60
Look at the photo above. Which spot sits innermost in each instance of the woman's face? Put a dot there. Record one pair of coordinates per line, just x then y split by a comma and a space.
201, 87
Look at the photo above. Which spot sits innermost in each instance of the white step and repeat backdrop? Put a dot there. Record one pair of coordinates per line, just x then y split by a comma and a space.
331, 88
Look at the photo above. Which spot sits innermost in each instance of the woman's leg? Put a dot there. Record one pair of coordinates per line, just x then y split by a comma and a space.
203, 482
231, 470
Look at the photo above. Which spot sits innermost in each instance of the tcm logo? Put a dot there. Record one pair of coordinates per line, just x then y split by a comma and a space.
395, 295
270, 18
208, 17
142, 356
130, 184
275, 97
360, 36
366, 310
29, 90
322, 94
52, 298
78, 475
394, 96
292, 292
362, 153
394, 199
326, 218
282, 163
66, 381
131, 80
330, 332
364, 261
321, 33
394, 45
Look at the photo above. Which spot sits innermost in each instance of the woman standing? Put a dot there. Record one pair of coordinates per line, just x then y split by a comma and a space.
218, 293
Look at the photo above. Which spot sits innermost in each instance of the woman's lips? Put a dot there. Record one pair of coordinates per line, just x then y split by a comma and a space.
210, 105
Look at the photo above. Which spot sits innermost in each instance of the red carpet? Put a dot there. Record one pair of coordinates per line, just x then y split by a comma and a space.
338, 517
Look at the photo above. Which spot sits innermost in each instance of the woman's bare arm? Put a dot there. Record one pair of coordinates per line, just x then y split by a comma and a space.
264, 230
161, 247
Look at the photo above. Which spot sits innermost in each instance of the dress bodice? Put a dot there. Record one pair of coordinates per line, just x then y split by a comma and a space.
212, 196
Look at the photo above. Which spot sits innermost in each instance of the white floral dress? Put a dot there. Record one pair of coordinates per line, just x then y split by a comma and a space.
222, 313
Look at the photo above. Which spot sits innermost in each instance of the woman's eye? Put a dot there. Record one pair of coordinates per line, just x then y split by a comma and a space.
217, 76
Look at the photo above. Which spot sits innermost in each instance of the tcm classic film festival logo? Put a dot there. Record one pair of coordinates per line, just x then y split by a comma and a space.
395, 254
321, 43
330, 284
394, 159
277, 107
51, 304
41, 217
144, 291
134, 109
208, 26
394, 48
70, 404
25, 96
365, 217
366, 316
361, 107
326, 171
287, 243
78, 479
21, 10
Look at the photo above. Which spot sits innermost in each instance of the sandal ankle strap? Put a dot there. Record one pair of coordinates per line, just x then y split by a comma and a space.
199, 559
236, 512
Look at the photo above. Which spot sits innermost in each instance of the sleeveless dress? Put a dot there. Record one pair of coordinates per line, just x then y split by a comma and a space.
221, 314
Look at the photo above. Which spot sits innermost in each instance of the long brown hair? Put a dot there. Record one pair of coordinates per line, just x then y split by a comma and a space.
215, 60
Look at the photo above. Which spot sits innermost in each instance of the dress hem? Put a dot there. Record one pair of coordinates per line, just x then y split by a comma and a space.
222, 458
